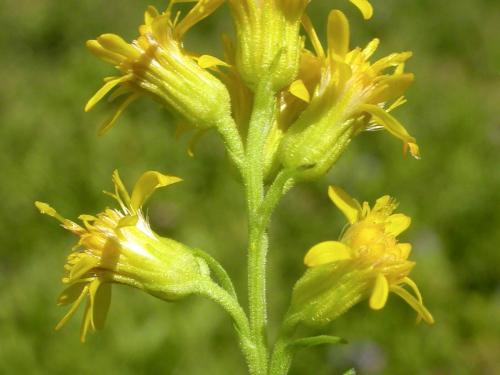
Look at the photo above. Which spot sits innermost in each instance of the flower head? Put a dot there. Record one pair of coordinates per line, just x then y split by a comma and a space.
119, 246
268, 38
157, 65
367, 262
349, 95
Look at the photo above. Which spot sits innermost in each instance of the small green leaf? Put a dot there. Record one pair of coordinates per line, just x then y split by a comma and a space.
308, 342
350, 372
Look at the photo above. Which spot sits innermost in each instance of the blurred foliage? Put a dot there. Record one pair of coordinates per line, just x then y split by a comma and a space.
50, 152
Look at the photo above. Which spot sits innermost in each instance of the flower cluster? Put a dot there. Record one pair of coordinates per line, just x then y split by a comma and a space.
367, 262
118, 246
157, 65
338, 94
286, 113
325, 97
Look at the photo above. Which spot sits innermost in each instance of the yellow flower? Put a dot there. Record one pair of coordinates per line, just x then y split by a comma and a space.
118, 246
156, 64
346, 95
367, 262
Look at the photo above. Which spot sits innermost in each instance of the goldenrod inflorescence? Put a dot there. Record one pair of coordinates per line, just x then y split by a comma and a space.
286, 113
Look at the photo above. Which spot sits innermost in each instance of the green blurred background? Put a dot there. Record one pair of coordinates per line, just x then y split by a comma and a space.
50, 152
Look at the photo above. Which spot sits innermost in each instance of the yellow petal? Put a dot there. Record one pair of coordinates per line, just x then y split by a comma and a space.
396, 224
393, 126
404, 250
380, 293
107, 87
161, 28
391, 87
111, 121
364, 7
338, 33
313, 36
365, 210
128, 221
298, 89
326, 252
116, 44
100, 298
414, 149
370, 48
73, 308
104, 54
384, 203
207, 61
350, 207
414, 287
398, 102
202, 9
120, 91
71, 294
85, 217
150, 14
121, 193
147, 184
394, 59
400, 69
86, 322
87, 220
46, 209
416, 305
85, 264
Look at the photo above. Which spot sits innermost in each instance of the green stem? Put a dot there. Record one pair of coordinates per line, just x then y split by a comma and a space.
285, 348
281, 359
218, 271
260, 123
230, 305
232, 140
283, 182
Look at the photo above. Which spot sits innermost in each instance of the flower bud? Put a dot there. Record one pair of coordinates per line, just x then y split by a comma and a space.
268, 38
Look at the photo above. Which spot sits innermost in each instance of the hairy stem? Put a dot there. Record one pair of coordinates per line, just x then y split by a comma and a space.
231, 306
232, 141
281, 358
260, 123
218, 271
